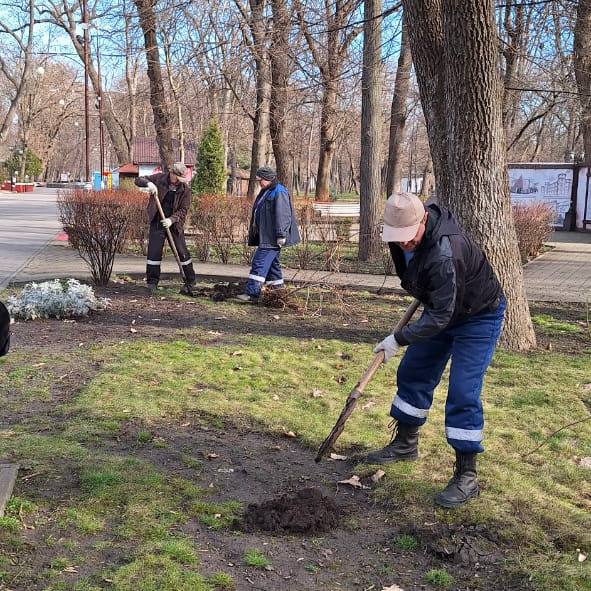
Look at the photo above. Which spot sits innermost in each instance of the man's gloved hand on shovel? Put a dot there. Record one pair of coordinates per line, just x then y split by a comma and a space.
152, 188
281, 242
166, 222
389, 346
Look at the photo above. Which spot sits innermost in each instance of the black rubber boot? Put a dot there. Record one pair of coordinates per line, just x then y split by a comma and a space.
463, 485
404, 446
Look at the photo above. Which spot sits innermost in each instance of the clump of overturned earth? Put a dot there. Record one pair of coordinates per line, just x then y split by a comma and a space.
307, 511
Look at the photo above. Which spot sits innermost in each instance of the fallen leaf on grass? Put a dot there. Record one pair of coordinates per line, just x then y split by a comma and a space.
212, 456
132, 330
276, 317
275, 397
237, 368
393, 588
237, 353
585, 462
354, 481
581, 557
185, 424
317, 393
586, 387
368, 405
378, 476
290, 434
70, 569
338, 457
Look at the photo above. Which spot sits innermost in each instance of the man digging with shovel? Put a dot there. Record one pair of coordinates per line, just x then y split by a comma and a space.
174, 195
464, 307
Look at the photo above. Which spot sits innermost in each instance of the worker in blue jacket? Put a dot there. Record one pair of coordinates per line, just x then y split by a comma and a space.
272, 227
463, 311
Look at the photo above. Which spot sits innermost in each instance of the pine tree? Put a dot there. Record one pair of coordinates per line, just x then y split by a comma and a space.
210, 176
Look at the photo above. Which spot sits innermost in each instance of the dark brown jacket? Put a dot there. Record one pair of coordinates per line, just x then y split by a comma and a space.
182, 200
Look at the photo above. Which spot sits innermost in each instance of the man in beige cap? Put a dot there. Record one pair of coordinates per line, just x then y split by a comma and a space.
174, 193
463, 311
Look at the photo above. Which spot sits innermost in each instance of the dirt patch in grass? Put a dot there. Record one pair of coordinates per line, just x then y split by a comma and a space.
308, 511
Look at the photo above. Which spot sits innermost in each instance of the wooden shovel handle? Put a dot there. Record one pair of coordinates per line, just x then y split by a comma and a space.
360, 387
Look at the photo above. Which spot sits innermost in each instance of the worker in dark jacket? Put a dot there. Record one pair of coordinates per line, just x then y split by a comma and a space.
272, 227
463, 312
175, 196
4, 330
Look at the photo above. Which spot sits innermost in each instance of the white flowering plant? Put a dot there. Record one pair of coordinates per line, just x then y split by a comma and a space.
55, 299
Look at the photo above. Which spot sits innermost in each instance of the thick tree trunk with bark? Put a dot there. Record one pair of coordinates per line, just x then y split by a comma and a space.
163, 120
370, 244
455, 53
327, 141
263, 92
582, 58
279, 58
398, 114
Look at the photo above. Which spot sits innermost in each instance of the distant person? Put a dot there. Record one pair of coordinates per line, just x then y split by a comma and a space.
175, 196
463, 311
272, 227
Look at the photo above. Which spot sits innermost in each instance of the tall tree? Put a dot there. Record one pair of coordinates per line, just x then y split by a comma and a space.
455, 54
370, 185
329, 51
163, 120
582, 58
398, 113
210, 176
280, 70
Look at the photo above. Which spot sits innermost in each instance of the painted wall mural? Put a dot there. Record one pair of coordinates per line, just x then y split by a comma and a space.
549, 185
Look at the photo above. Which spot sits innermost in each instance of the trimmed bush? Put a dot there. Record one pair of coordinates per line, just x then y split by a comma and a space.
533, 224
99, 222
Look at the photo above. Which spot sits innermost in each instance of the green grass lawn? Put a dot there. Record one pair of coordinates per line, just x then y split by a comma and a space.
538, 504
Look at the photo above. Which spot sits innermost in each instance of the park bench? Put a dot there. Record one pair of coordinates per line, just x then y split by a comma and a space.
336, 209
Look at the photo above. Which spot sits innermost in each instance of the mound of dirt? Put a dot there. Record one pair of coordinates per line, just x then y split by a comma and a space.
308, 511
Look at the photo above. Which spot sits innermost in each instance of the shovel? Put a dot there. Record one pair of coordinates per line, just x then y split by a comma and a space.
360, 387
173, 247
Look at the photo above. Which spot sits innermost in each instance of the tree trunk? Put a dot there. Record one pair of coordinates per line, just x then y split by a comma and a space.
279, 58
398, 114
370, 244
263, 92
163, 120
582, 59
455, 53
327, 140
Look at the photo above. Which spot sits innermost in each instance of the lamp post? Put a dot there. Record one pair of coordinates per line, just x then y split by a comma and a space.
85, 27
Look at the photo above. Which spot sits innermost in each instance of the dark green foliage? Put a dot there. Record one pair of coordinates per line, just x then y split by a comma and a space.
210, 176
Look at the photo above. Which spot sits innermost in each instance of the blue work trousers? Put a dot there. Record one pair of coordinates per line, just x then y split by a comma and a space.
470, 345
265, 269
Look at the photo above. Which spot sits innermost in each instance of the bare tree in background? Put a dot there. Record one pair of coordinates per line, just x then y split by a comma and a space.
280, 70
398, 114
163, 121
582, 59
370, 185
329, 50
64, 16
17, 70
455, 53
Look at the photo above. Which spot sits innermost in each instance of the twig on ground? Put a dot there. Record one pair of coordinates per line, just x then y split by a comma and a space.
529, 453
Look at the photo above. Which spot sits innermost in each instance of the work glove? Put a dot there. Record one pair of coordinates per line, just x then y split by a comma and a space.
389, 346
166, 222
152, 188
281, 242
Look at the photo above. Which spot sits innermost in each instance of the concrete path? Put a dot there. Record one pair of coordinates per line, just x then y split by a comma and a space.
562, 274
28, 221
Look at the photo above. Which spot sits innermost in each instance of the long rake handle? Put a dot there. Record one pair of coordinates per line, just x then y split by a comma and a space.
360, 387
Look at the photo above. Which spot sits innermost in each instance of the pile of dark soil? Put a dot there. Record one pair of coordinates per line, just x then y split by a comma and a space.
308, 511
220, 292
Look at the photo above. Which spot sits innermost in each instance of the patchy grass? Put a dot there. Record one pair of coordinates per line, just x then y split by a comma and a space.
551, 326
439, 578
256, 559
222, 582
406, 542
216, 515
540, 502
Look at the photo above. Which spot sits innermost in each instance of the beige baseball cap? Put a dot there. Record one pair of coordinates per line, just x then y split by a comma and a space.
403, 215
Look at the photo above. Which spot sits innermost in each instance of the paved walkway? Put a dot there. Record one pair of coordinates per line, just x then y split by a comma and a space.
28, 221
563, 274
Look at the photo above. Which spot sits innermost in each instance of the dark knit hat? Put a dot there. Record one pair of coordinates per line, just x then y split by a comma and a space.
266, 173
